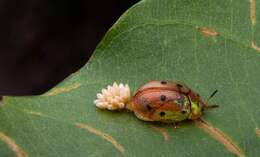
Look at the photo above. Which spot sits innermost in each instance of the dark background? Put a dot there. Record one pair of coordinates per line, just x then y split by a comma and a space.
43, 41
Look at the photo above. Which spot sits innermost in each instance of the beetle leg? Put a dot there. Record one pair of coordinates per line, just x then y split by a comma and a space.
175, 125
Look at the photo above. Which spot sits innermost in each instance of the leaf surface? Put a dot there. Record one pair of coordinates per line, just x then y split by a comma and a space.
205, 43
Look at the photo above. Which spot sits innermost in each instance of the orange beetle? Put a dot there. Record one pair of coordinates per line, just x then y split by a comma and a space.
167, 102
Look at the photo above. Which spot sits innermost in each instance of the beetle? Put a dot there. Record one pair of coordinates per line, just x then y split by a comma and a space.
167, 102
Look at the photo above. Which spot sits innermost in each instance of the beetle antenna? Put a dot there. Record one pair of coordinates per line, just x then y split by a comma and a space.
211, 96
211, 106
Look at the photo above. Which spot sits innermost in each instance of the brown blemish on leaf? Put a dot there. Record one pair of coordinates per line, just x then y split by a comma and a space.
60, 90
33, 112
206, 31
252, 12
11, 143
163, 131
103, 135
254, 46
220, 137
257, 131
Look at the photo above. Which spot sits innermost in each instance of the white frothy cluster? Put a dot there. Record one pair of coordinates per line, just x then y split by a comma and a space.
114, 97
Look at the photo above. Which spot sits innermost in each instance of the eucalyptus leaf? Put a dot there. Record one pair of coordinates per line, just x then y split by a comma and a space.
207, 44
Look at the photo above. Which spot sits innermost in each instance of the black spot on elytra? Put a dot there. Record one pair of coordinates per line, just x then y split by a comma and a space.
163, 82
149, 108
162, 114
183, 112
179, 85
163, 97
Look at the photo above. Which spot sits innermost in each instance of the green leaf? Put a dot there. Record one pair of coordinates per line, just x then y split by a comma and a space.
207, 44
